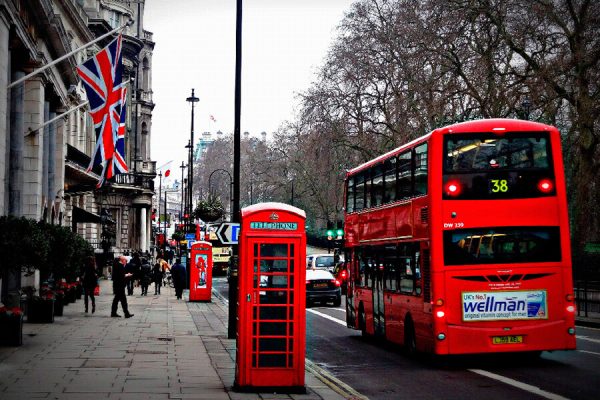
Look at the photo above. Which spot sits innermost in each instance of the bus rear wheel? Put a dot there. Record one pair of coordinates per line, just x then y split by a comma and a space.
410, 340
362, 321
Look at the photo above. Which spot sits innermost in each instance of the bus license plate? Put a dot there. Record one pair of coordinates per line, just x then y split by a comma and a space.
507, 339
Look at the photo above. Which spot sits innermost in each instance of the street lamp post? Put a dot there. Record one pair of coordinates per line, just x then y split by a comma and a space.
192, 99
181, 210
159, 197
165, 225
230, 189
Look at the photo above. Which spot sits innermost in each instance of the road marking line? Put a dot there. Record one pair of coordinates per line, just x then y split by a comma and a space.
589, 352
329, 317
589, 339
520, 385
334, 383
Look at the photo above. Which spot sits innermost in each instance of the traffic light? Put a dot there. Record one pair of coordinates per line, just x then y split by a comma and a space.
329, 234
339, 230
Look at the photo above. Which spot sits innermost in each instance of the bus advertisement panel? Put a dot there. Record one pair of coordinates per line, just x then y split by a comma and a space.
458, 242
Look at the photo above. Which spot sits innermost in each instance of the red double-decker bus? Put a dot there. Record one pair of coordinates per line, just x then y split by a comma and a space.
458, 242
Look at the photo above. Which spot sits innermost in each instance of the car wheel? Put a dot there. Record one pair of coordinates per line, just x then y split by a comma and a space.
337, 302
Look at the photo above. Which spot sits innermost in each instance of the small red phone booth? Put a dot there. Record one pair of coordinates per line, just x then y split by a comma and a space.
271, 337
201, 271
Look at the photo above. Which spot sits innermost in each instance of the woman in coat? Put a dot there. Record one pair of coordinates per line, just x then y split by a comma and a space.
89, 281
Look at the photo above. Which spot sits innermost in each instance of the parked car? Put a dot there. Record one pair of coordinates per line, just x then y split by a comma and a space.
321, 261
341, 274
322, 287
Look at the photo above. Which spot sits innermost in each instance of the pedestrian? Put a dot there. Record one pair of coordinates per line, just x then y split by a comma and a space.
120, 277
145, 276
89, 279
178, 274
133, 268
157, 277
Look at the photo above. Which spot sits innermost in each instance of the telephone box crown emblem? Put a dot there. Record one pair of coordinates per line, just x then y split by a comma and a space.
274, 217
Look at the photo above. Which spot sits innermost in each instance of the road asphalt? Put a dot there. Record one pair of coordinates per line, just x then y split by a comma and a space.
169, 349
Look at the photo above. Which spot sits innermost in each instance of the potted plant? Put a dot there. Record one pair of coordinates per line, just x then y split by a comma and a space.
40, 308
11, 321
209, 210
23, 247
59, 302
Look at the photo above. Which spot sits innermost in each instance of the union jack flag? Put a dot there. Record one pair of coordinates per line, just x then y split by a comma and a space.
102, 78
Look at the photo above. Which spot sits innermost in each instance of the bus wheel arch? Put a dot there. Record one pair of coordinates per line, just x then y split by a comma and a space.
362, 319
410, 338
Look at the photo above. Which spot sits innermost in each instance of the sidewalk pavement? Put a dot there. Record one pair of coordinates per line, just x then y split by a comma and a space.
170, 349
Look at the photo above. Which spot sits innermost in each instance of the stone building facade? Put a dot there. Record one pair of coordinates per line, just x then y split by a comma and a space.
43, 159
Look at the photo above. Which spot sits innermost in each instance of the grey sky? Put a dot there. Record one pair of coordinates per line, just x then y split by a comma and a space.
284, 42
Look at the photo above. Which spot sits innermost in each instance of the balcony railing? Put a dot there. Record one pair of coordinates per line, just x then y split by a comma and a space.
136, 180
143, 167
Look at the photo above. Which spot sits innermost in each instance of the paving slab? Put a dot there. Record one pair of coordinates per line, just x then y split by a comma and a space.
170, 349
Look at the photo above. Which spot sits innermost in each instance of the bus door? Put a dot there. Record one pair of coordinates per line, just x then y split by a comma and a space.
378, 298
352, 268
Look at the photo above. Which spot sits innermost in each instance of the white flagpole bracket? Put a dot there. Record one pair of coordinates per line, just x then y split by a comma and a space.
77, 50
30, 131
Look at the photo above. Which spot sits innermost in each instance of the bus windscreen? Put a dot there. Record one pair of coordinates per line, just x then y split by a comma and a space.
504, 245
491, 166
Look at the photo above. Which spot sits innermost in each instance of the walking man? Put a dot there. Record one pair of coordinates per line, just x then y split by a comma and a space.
178, 274
119, 278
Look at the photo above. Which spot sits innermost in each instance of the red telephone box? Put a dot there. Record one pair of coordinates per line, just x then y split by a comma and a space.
201, 271
271, 337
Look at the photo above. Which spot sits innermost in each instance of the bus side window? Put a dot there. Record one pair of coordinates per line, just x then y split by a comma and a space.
350, 195
404, 185
359, 193
407, 281
390, 178
377, 186
420, 172
368, 189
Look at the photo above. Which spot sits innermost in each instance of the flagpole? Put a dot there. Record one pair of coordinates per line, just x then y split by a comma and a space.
56, 118
77, 50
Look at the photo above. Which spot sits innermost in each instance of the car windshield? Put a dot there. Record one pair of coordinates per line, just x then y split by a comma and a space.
324, 262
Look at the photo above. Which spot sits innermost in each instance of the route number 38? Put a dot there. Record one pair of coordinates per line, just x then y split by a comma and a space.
499, 185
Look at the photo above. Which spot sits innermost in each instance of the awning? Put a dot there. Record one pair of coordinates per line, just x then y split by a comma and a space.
81, 215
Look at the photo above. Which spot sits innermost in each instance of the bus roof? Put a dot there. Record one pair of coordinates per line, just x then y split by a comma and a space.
497, 125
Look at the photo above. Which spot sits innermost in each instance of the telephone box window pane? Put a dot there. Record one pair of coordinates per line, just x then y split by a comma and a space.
271, 344
273, 297
291, 326
271, 360
273, 328
292, 261
290, 360
273, 313
291, 314
254, 361
254, 328
254, 312
274, 250
254, 345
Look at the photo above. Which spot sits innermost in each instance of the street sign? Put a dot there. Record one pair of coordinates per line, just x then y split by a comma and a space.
228, 233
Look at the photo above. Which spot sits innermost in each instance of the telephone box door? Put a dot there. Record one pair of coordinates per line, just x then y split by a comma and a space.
201, 271
272, 303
